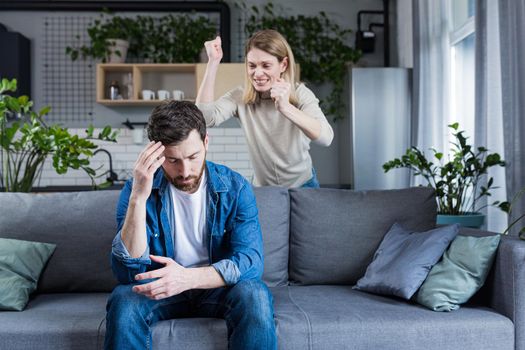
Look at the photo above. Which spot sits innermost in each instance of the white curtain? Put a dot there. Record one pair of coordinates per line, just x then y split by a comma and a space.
488, 115
430, 108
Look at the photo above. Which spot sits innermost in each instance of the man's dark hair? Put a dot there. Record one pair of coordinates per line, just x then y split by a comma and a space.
172, 121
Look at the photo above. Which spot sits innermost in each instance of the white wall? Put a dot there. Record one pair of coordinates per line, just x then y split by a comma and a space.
227, 146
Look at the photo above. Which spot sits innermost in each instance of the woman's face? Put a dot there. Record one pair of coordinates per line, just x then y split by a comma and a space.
263, 69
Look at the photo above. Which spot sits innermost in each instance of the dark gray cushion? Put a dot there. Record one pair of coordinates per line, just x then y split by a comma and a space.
56, 321
334, 233
274, 216
404, 259
81, 224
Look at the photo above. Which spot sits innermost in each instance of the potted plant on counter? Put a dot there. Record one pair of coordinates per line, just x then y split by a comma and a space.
28, 141
458, 181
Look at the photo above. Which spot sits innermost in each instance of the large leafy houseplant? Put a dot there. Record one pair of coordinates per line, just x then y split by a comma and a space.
319, 46
165, 39
459, 182
28, 141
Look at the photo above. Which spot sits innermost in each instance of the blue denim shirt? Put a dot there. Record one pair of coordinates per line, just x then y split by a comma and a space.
234, 236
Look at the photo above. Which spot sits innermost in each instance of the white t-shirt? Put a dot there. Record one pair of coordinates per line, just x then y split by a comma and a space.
189, 225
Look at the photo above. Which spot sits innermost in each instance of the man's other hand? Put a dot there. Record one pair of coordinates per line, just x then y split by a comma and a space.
172, 279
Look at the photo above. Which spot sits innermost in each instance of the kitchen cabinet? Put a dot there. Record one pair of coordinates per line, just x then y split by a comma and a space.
160, 76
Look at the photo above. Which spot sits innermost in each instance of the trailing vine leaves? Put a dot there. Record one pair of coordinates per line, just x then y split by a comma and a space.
319, 46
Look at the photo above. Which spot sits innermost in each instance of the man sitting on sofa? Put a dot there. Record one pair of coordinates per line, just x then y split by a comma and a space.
189, 241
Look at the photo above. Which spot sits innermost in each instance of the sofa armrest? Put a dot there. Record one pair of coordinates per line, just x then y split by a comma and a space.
508, 290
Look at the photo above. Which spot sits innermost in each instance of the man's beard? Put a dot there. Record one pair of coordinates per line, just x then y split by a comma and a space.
192, 186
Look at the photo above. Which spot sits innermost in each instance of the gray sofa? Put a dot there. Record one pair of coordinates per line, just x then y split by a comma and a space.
318, 243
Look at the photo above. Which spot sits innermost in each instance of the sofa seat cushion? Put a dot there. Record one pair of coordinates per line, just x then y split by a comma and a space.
55, 321
337, 317
341, 318
307, 317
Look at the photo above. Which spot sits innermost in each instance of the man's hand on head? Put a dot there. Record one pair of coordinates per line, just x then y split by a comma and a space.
149, 160
172, 279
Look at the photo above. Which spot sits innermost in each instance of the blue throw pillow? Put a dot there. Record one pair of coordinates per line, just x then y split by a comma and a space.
460, 274
404, 259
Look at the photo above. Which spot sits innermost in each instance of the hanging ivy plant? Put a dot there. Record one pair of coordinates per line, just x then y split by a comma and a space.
319, 46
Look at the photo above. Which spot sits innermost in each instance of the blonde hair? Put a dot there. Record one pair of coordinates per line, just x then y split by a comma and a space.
272, 42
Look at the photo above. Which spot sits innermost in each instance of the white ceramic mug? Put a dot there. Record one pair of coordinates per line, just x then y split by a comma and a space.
148, 95
163, 94
178, 95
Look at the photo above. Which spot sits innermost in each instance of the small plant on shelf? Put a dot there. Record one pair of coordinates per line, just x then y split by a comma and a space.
165, 39
28, 141
103, 35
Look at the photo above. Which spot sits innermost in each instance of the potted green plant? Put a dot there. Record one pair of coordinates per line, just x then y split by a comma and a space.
458, 181
109, 36
319, 46
165, 39
25, 145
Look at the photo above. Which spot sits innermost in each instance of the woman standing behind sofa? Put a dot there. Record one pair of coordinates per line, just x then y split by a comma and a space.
279, 116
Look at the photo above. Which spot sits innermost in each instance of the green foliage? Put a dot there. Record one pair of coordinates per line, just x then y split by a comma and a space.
25, 145
319, 46
457, 182
507, 208
163, 39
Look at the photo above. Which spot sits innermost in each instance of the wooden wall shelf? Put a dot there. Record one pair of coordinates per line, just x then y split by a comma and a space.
185, 77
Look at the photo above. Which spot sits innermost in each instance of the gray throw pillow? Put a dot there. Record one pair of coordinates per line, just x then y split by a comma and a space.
404, 259
460, 274
21, 263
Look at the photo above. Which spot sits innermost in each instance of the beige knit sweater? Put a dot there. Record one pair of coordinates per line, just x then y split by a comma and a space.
278, 148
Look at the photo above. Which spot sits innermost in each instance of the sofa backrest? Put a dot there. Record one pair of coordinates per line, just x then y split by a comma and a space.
334, 233
81, 224
274, 217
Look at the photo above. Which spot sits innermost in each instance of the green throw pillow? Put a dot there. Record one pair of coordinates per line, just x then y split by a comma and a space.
460, 274
21, 263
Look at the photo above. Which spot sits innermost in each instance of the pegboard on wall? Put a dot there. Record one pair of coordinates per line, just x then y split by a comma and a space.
68, 86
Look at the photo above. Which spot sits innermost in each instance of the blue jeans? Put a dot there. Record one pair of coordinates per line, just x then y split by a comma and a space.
246, 306
313, 182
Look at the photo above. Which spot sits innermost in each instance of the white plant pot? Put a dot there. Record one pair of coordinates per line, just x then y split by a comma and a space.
118, 50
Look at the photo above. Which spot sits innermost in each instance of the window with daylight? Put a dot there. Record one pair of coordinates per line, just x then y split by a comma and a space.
462, 64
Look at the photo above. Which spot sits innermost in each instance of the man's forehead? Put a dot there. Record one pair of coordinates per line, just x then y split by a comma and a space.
185, 149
